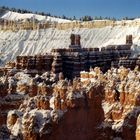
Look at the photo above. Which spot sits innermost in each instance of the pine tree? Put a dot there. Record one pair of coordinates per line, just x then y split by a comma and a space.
74, 18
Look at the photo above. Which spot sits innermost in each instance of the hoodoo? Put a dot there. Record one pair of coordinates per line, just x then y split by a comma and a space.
75, 93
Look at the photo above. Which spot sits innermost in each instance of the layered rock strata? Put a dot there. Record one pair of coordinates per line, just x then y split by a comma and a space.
75, 59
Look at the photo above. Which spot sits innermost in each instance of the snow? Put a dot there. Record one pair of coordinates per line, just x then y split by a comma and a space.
52, 102
37, 118
23, 78
138, 117
83, 72
16, 130
117, 125
93, 80
84, 79
107, 107
41, 117
92, 73
11, 112
42, 84
56, 115
74, 95
18, 16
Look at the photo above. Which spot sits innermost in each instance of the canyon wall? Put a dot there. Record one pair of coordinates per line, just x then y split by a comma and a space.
28, 42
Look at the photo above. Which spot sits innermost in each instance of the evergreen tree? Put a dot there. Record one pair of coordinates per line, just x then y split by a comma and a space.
63, 17
74, 18
19, 10
48, 14
42, 13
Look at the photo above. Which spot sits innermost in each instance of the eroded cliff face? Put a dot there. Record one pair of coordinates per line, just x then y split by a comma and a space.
96, 106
